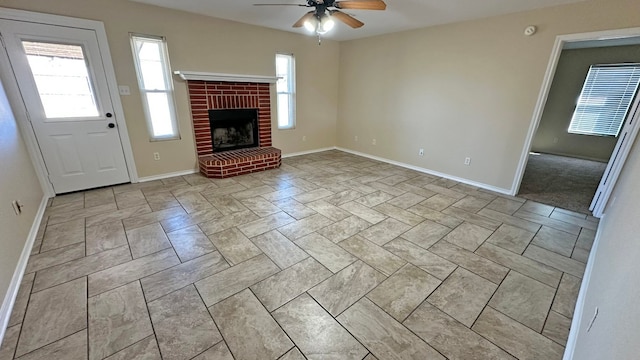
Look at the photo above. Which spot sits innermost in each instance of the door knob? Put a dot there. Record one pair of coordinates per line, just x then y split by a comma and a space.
108, 115
111, 125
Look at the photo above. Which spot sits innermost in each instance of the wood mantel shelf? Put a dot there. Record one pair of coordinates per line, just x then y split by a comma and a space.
207, 76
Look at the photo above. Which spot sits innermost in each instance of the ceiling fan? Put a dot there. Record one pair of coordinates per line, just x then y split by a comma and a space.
320, 19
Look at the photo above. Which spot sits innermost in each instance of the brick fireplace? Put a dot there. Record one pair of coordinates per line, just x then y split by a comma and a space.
205, 95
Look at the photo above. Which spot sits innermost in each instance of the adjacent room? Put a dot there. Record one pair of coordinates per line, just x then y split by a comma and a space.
312, 179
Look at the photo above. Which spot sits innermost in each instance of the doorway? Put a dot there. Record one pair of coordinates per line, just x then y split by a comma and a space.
612, 150
65, 84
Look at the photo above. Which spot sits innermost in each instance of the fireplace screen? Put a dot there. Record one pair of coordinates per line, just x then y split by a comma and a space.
233, 129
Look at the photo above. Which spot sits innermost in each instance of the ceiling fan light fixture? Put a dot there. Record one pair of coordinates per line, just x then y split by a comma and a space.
311, 24
326, 24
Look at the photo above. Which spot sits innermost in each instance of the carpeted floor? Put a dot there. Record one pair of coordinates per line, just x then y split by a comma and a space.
561, 181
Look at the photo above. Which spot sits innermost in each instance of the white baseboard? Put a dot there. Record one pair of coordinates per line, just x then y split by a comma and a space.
14, 286
307, 152
579, 309
430, 172
168, 175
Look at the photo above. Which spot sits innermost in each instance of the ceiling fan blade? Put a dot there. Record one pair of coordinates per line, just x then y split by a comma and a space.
347, 19
281, 5
361, 4
304, 18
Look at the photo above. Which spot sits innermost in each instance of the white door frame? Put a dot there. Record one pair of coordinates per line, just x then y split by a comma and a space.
561, 40
19, 108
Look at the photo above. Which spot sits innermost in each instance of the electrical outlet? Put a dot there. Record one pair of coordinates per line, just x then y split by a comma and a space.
156, 156
421, 152
355, 138
304, 138
124, 90
373, 142
467, 161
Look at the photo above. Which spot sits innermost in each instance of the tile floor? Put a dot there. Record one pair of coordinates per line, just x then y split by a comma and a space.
330, 256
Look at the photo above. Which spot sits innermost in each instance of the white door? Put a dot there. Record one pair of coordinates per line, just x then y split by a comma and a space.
626, 139
63, 84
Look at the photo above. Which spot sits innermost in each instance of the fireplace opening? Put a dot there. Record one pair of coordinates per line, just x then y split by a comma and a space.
233, 129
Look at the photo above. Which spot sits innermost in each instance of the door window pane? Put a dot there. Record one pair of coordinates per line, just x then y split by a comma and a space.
62, 79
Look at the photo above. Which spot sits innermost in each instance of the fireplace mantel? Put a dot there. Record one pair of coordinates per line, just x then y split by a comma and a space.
207, 76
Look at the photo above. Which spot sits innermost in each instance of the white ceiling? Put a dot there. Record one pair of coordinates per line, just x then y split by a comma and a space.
400, 14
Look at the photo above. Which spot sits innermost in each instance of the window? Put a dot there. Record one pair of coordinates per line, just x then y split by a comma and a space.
285, 87
156, 88
605, 99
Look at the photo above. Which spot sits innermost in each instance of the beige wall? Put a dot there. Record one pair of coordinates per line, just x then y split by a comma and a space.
18, 181
199, 43
572, 70
613, 286
461, 90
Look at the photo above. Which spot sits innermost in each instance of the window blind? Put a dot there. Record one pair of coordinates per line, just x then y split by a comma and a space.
605, 99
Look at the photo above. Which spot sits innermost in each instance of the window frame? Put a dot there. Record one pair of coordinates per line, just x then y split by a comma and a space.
591, 85
169, 91
291, 92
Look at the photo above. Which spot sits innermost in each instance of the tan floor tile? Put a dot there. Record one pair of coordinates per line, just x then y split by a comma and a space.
234, 246
521, 264
557, 328
152, 217
235, 279
130, 199
284, 286
279, 249
372, 254
226, 204
511, 238
260, 206
397, 213
161, 200
293, 208
426, 234
343, 197
391, 190
385, 231
8, 346
98, 197
192, 202
55, 257
220, 351
553, 223
471, 204
53, 314
256, 191
293, 354
581, 255
265, 224
435, 216
76, 214
146, 349
179, 276
403, 291
426, 260
127, 272
328, 210
190, 243
222, 223
468, 236
147, 240
439, 202
344, 229
315, 332
183, 221
565, 300
343, 289
117, 318
472, 218
554, 260
332, 256
450, 337
73, 347
470, 261
523, 299
182, 324
510, 220
312, 195
463, 295
537, 208
555, 240
248, 329
407, 200
585, 239
105, 237
373, 199
517, 339
63, 234
505, 206
282, 194
382, 335
117, 215
363, 212
81, 267
306, 226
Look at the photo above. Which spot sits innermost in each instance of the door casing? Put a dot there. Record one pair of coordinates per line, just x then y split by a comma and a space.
18, 105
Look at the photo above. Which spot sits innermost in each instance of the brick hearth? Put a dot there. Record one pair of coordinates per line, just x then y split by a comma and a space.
205, 95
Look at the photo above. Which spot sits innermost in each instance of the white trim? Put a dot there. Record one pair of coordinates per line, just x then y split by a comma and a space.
582, 295
558, 46
430, 172
307, 152
207, 76
19, 107
168, 175
14, 286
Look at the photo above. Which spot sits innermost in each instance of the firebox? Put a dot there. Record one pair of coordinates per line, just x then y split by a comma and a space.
233, 129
